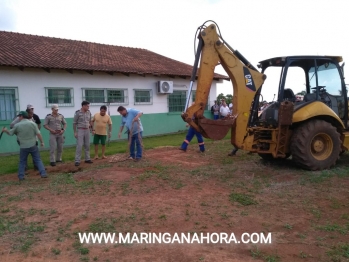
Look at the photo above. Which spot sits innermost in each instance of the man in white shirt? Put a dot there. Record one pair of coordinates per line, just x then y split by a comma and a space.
224, 111
231, 108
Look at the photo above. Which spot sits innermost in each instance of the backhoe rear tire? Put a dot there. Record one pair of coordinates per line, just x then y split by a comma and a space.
315, 145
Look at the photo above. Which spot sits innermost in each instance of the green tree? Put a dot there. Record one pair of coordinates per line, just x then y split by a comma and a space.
229, 99
220, 97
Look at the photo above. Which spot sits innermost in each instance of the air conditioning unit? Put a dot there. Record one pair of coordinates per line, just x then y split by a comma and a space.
165, 87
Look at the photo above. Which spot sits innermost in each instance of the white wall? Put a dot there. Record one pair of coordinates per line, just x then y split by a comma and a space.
31, 85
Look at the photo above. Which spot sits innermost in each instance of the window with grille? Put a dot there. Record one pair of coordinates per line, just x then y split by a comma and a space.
143, 97
60, 96
94, 96
193, 95
100, 96
8, 103
116, 96
176, 101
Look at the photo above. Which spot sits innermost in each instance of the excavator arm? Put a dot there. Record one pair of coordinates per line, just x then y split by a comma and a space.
246, 81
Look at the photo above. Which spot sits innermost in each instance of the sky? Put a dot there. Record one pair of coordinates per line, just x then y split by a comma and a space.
258, 29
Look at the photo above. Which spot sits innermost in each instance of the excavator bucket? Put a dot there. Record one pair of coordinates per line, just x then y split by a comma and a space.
216, 129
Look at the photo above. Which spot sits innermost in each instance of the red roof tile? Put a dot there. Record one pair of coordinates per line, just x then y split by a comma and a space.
23, 50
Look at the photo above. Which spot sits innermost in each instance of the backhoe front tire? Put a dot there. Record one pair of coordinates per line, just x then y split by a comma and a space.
315, 145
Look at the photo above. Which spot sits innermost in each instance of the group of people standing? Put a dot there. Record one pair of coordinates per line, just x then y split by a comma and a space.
27, 128
222, 110
101, 127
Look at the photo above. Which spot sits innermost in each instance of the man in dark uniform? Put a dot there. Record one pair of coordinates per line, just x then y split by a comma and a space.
35, 116
81, 126
56, 124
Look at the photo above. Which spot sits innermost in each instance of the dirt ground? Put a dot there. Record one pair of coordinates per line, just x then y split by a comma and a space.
307, 213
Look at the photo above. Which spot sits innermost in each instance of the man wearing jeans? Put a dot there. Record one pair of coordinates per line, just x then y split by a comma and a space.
130, 119
26, 132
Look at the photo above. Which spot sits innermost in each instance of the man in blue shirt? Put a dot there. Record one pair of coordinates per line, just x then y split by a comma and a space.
130, 119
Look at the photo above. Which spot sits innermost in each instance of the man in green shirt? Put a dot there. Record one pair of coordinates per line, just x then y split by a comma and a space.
26, 132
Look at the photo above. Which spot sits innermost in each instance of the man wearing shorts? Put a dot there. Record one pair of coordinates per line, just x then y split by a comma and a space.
100, 121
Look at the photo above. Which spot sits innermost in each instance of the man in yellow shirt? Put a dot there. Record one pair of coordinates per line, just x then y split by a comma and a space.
100, 121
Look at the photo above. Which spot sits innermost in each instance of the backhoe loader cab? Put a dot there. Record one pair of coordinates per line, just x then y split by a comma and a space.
314, 131
323, 81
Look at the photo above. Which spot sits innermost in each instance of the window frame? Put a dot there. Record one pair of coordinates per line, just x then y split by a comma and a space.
150, 102
15, 102
193, 95
71, 89
169, 98
105, 95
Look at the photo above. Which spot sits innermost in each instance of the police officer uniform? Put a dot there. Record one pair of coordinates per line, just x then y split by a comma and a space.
82, 121
55, 123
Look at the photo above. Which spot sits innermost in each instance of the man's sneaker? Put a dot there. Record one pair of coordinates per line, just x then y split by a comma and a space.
53, 163
130, 158
44, 176
77, 164
184, 150
202, 151
59, 161
137, 159
88, 161
21, 179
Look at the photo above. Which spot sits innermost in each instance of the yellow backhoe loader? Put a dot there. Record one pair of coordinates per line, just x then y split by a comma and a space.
313, 131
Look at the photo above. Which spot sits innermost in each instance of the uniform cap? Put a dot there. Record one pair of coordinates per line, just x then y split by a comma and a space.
55, 107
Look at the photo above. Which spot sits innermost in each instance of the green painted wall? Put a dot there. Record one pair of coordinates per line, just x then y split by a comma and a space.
153, 124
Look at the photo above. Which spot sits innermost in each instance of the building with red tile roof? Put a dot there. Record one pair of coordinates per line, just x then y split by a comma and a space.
43, 71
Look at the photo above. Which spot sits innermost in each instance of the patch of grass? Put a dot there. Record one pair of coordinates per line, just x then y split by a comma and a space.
335, 203
125, 186
303, 255
5, 210
55, 251
16, 197
162, 217
146, 175
84, 259
345, 216
339, 251
319, 178
243, 199
288, 226
271, 258
80, 249
334, 228
316, 213
84, 250
179, 184
24, 243
257, 254
302, 236
102, 225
